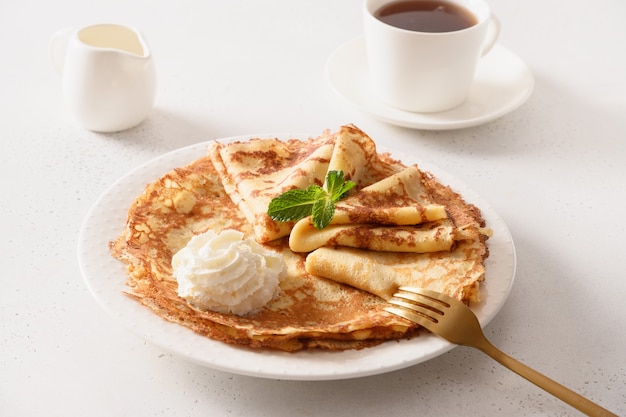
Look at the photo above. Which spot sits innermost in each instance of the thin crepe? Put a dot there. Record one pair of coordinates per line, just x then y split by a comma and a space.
256, 171
394, 214
456, 272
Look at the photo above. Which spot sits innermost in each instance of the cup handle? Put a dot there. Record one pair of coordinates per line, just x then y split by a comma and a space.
492, 35
57, 48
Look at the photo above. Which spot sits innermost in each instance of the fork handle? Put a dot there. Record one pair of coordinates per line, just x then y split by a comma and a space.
563, 393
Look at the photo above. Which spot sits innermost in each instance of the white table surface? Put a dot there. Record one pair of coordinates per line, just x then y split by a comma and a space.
555, 170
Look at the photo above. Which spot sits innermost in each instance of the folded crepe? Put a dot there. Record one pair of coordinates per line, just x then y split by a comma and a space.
394, 214
429, 237
457, 273
256, 171
456, 270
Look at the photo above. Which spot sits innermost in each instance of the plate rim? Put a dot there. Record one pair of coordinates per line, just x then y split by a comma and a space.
96, 268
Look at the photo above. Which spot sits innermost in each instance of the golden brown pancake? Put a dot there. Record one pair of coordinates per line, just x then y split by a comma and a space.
256, 171
456, 271
230, 189
395, 214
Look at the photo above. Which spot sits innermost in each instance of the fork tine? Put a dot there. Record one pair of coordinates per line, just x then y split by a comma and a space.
416, 308
412, 316
435, 296
423, 315
424, 307
435, 305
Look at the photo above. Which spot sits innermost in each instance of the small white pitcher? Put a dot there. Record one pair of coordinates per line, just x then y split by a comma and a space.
109, 79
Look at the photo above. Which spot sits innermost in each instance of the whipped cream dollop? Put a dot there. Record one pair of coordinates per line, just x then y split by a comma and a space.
227, 273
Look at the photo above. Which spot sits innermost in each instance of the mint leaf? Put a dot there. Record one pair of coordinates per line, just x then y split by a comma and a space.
336, 186
323, 211
294, 204
314, 201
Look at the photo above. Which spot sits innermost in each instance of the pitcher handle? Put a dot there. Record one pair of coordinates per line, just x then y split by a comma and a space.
57, 48
492, 34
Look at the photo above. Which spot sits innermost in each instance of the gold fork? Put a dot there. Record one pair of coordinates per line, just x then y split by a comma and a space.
455, 322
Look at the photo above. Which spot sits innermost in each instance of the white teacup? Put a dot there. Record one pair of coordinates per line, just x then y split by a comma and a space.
424, 72
109, 79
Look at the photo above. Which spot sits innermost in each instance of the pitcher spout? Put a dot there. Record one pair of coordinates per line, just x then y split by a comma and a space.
116, 37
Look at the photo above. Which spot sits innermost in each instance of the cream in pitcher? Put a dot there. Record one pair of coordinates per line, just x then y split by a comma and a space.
109, 79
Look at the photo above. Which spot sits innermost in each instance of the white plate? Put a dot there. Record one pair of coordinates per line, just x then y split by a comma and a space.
105, 276
503, 83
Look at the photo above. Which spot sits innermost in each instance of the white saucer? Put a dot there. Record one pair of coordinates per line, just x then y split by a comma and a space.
503, 83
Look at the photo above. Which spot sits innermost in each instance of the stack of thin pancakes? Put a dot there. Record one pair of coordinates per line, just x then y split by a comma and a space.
399, 226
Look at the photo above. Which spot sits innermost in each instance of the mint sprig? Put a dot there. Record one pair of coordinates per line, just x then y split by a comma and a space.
315, 201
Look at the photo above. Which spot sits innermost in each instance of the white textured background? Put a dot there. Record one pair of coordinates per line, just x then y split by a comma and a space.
554, 170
